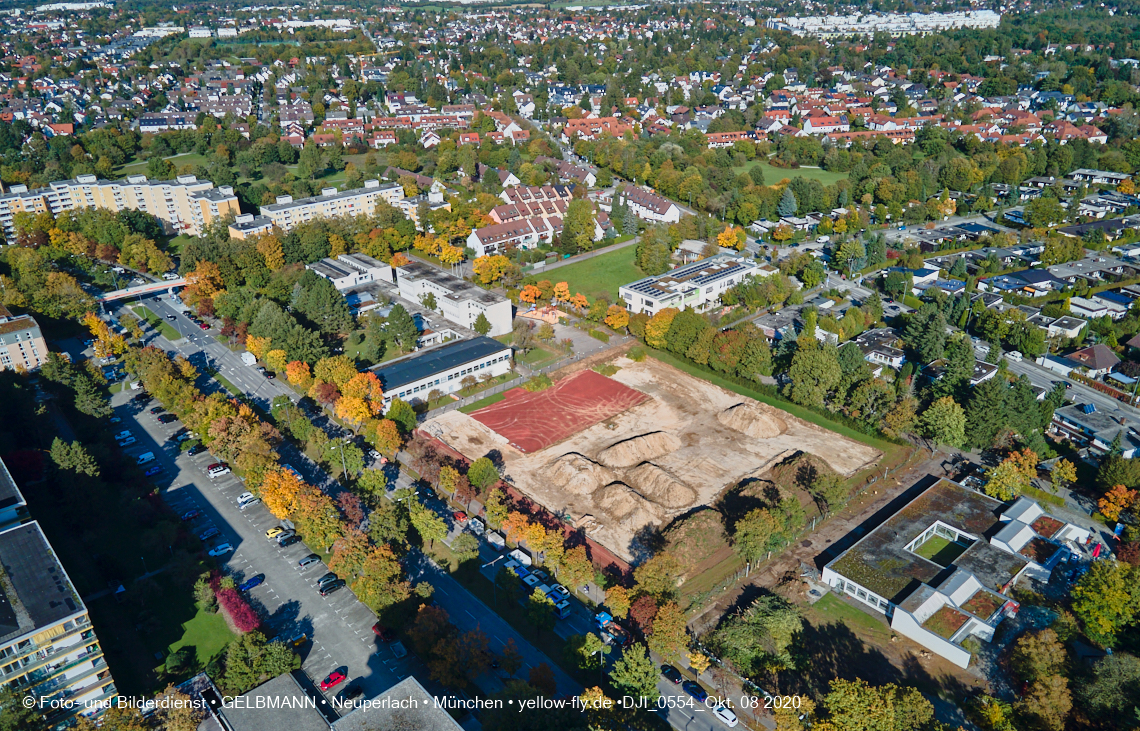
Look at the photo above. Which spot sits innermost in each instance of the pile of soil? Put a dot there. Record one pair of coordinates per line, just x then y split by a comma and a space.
696, 538
578, 474
624, 504
661, 486
755, 419
639, 449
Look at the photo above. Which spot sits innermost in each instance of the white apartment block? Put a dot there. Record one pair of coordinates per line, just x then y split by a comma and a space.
48, 648
22, 345
184, 205
649, 206
287, 213
839, 26
694, 286
458, 300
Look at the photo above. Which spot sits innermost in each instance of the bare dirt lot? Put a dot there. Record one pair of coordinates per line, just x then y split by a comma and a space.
676, 450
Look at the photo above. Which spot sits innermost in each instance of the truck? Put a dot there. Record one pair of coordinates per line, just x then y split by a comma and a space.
497, 542
520, 556
249, 358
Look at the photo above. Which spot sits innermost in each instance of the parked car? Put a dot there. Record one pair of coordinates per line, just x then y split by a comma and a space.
217, 470
352, 692
144, 396
128, 441
460, 517
288, 541
726, 715
115, 420
221, 549
251, 582
209, 533
172, 318
167, 418
191, 514
154, 470
157, 410
309, 560
559, 591
672, 674
334, 678
274, 532
332, 586
694, 689
144, 458
196, 449
245, 498
383, 632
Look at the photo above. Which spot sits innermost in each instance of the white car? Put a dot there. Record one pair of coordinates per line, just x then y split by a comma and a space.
127, 441
221, 549
726, 715
170, 276
1014, 355
217, 470
245, 498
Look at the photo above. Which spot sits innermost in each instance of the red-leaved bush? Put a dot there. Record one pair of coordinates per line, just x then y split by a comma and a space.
239, 611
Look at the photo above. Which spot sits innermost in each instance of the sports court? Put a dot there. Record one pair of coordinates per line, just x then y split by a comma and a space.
534, 421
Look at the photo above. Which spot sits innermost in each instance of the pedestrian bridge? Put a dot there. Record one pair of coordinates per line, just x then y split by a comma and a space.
142, 289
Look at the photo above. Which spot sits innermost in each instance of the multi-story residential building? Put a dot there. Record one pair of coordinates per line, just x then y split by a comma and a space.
248, 226
48, 648
442, 368
22, 345
649, 206
524, 234
456, 299
287, 213
184, 205
695, 286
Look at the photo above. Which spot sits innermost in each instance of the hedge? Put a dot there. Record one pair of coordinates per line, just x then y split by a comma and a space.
599, 335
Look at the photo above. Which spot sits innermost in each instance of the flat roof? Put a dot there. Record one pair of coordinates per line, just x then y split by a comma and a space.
9, 492
44, 594
459, 289
383, 712
436, 360
881, 563
288, 707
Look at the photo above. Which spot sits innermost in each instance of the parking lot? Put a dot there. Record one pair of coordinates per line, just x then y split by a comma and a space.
338, 627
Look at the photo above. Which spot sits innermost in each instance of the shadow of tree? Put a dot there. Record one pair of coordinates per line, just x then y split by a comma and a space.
832, 651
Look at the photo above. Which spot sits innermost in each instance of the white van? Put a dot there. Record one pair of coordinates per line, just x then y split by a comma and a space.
145, 457
1014, 355
123, 435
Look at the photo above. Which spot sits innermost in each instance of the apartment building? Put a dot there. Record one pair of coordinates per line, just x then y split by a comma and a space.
287, 213
456, 299
693, 286
22, 345
649, 206
48, 648
184, 205
524, 234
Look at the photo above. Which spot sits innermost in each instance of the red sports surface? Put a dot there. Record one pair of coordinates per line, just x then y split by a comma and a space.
534, 421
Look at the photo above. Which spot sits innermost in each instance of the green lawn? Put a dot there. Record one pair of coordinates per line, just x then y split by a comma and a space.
833, 609
940, 551
207, 633
155, 321
234, 390
538, 357
492, 399
138, 167
774, 175
599, 276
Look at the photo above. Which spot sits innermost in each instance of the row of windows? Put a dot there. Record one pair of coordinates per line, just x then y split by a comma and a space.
452, 376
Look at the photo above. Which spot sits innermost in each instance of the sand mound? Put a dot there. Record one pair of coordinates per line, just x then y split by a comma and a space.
624, 504
577, 474
757, 420
660, 486
639, 449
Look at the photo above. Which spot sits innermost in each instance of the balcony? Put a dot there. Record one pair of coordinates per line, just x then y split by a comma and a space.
53, 674
31, 647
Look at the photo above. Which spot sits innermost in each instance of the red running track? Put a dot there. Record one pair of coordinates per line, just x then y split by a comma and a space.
534, 421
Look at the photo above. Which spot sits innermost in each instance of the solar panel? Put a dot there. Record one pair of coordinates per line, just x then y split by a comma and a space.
1088, 408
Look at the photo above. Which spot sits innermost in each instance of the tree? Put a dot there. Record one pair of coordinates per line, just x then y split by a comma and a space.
1064, 473
788, 205
1037, 655
489, 269
73, 457
14, 715
759, 639
429, 525
758, 532
1115, 501
814, 372
926, 333
635, 674
830, 489
1047, 704
986, 414
618, 601
576, 568
855, 705
617, 317
669, 635
482, 325
1114, 689
482, 473
642, 613
1106, 600
495, 507
540, 611
402, 328
658, 576
402, 414
945, 422
251, 660
1006, 481
541, 678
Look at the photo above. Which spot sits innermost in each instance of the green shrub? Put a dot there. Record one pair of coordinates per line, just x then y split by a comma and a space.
538, 383
637, 354
599, 335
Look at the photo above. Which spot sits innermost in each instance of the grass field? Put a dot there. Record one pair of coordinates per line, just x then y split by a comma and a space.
155, 321
940, 551
601, 275
538, 357
138, 167
774, 175
207, 633
492, 399
833, 609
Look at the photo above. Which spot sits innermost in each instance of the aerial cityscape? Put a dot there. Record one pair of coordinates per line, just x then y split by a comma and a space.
570, 366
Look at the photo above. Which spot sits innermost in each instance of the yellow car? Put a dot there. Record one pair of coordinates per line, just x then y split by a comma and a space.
274, 531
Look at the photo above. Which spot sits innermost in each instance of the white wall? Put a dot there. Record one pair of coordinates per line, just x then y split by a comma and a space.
906, 625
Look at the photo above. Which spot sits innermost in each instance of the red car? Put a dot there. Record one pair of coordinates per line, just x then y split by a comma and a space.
460, 517
383, 632
335, 677
204, 326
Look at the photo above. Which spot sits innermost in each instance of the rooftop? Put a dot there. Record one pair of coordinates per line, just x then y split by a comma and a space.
419, 711
36, 593
9, 492
459, 289
287, 707
881, 562
426, 363
691, 276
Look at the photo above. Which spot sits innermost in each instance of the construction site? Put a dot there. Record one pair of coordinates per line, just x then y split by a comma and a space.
617, 454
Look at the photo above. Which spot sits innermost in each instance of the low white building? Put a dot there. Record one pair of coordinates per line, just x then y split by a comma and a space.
694, 286
351, 270
649, 206
443, 368
932, 570
458, 300
200, 31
